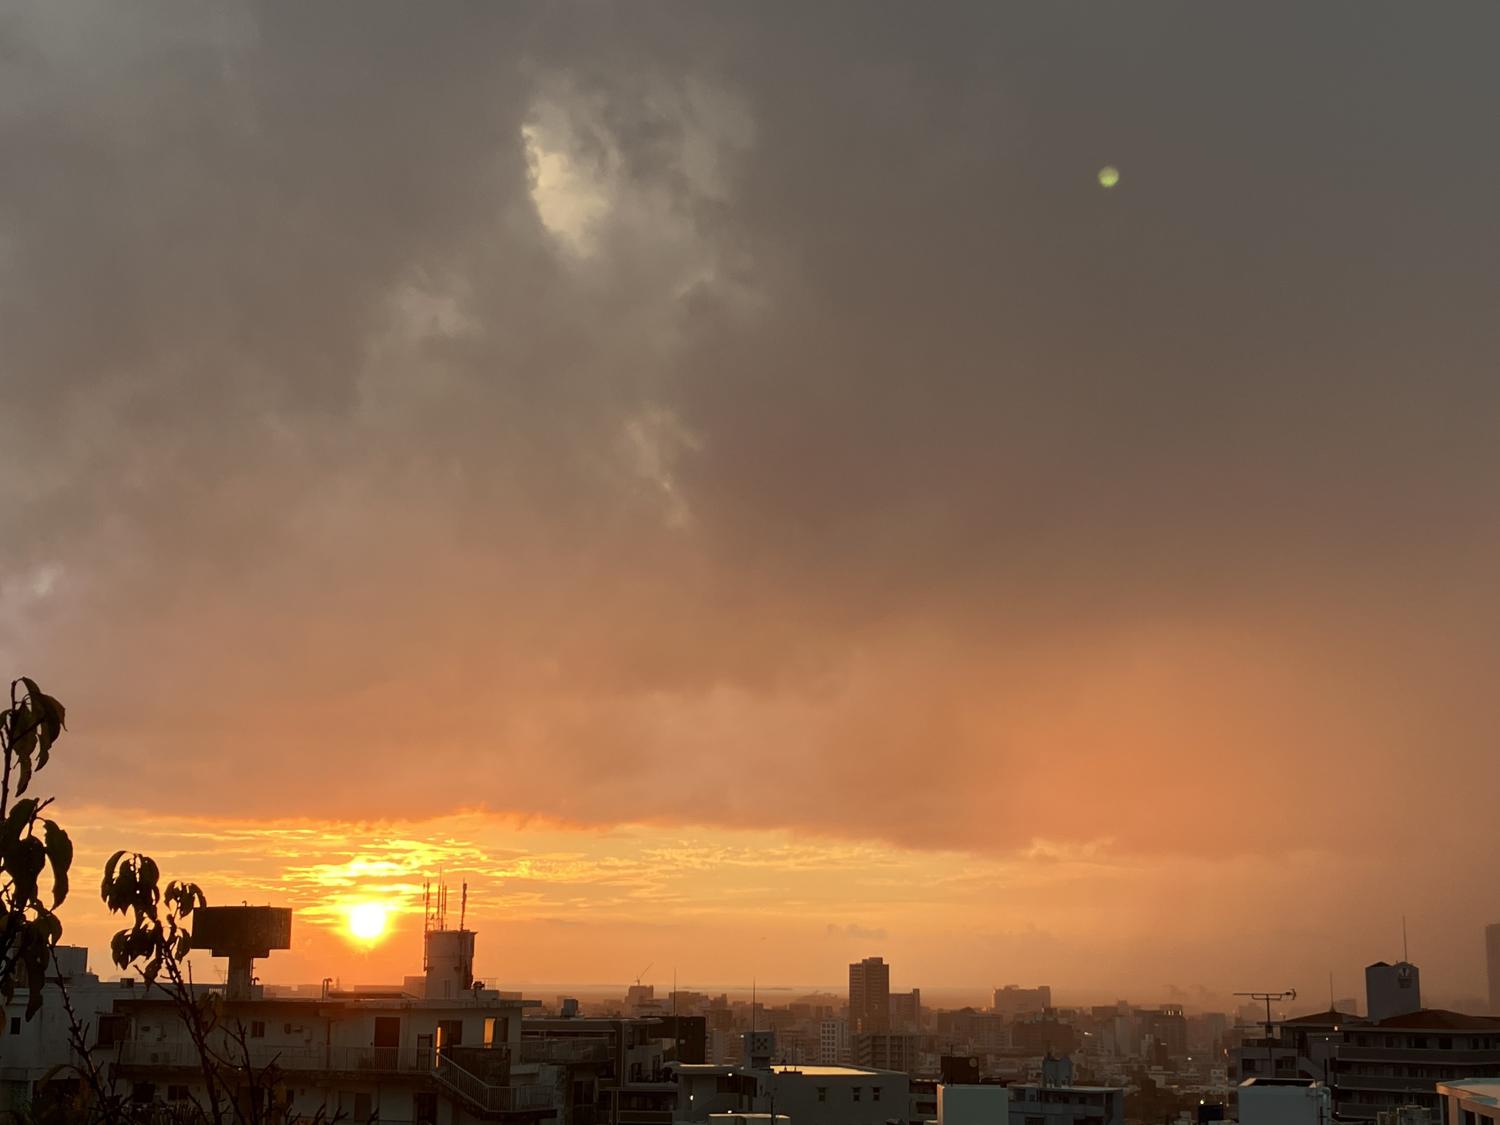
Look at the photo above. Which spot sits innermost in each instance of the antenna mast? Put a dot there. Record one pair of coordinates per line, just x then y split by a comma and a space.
1279, 997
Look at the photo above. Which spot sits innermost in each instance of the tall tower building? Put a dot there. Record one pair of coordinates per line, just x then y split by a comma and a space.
869, 996
1492, 962
1392, 990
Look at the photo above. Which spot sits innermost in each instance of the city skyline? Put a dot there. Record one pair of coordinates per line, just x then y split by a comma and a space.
748, 489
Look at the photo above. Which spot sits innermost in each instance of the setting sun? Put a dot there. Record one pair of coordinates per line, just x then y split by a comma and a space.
367, 921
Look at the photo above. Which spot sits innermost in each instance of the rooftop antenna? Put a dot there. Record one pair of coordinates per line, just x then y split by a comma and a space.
1279, 997
1405, 954
1331, 1003
463, 905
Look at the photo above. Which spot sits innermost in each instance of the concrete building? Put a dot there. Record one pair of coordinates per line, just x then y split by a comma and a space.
1400, 1061
814, 1095
33, 1049
1474, 1102
1392, 990
973, 1105
616, 1071
1302, 1047
1167, 1027
1042, 1033
1057, 1101
1012, 1000
1284, 1101
906, 1011
447, 1056
887, 1051
869, 995
834, 1046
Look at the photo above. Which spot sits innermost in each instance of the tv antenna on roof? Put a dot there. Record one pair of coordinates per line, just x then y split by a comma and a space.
1280, 998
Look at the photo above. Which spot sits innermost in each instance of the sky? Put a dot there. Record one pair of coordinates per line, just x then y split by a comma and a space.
730, 483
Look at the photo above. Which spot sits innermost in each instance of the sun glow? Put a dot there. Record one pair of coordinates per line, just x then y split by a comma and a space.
367, 921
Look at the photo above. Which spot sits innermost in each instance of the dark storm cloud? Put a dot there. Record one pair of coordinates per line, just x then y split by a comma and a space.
756, 415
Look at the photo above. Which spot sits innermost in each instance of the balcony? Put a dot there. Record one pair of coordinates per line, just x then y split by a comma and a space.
564, 1051
495, 1102
299, 1058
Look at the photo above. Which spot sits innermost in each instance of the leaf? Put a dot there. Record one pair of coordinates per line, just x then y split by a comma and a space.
19, 817
21, 730
24, 865
52, 715
122, 890
109, 874
60, 852
24, 762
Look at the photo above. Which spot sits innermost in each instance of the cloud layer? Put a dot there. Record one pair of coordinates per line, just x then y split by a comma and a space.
763, 418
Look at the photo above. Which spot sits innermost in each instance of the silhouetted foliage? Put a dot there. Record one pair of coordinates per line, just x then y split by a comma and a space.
155, 942
30, 845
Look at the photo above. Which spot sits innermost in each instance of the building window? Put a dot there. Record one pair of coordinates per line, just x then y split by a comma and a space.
424, 1107
857, 1091
822, 1093
874, 1093
15, 1025
113, 1029
177, 1093
257, 1029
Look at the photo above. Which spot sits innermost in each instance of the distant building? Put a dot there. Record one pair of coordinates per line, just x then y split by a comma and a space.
1168, 1027
968, 1030
813, 1095
1392, 990
1042, 1034
1013, 1001
887, 1050
906, 1010
833, 1042
1057, 1101
870, 995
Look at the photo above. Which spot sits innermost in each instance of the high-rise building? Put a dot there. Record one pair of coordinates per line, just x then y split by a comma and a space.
906, 1010
1492, 963
833, 1042
869, 995
1013, 1000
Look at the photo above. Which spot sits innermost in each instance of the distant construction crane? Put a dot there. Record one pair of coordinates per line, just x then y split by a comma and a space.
1280, 998
642, 973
